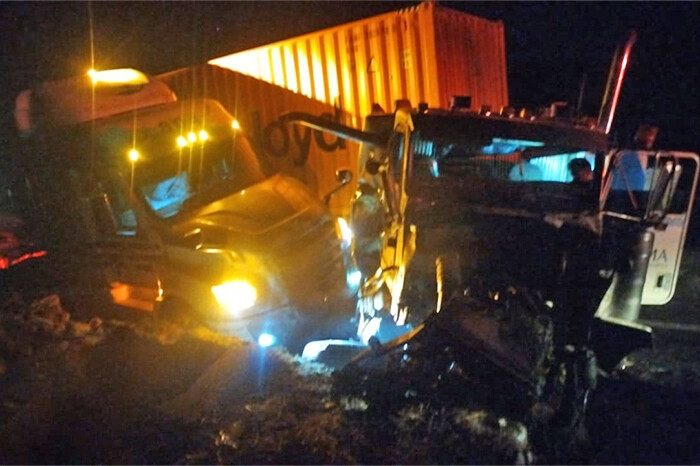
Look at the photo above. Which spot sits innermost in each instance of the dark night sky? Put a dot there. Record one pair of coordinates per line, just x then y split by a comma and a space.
549, 46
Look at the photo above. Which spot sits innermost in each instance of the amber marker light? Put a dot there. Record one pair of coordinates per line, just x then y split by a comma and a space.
191, 137
118, 76
236, 125
203, 135
134, 155
181, 141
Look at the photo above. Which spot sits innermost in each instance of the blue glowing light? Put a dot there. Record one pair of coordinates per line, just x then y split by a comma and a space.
266, 339
353, 278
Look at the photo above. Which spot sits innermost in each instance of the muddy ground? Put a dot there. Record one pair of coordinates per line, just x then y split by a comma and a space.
115, 392
104, 385
128, 391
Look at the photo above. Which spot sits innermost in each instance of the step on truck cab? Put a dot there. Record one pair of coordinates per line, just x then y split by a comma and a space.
165, 205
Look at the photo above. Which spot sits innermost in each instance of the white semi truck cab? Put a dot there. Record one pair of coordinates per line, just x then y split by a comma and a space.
163, 205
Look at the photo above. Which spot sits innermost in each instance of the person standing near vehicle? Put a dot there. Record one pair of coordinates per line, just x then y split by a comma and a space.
631, 176
645, 137
581, 172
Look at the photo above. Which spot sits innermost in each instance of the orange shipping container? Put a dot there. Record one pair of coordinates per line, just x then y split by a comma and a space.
309, 155
426, 53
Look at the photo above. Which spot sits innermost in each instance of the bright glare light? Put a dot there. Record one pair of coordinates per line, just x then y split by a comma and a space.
235, 296
371, 328
345, 231
134, 155
203, 135
266, 339
353, 278
181, 141
236, 125
378, 301
191, 137
518, 142
314, 348
118, 76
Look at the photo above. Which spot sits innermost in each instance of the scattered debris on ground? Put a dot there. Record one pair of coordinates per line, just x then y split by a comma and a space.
111, 391
122, 391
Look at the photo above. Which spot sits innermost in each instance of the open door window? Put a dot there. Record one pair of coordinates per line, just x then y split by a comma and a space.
113, 215
117, 217
657, 189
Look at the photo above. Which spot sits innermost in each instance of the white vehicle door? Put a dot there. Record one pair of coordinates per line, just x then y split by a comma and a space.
125, 251
628, 193
665, 261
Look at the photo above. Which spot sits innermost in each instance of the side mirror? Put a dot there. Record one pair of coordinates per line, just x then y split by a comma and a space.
343, 177
663, 187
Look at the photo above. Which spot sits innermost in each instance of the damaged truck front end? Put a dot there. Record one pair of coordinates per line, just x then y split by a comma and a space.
472, 233
166, 207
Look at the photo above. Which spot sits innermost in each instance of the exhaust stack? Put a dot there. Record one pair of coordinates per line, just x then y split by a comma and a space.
615, 77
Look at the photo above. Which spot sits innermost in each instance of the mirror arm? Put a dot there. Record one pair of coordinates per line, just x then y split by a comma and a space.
337, 129
344, 177
329, 195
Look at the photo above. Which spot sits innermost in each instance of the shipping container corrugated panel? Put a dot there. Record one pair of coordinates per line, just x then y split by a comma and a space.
426, 53
309, 155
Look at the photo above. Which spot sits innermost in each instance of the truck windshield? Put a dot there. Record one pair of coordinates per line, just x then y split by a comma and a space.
518, 161
525, 175
195, 175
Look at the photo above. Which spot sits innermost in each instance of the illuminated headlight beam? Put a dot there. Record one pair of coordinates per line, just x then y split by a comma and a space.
353, 278
235, 296
266, 340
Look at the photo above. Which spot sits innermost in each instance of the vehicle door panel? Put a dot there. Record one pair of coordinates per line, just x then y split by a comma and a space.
127, 253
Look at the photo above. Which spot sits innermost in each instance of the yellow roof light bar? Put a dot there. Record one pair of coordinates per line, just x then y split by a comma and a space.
118, 76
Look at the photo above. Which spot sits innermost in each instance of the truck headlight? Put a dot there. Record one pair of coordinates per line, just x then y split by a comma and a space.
235, 296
